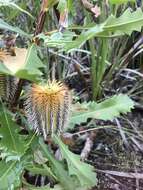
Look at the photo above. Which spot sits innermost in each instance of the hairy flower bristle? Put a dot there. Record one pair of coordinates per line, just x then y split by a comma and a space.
8, 86
47, 107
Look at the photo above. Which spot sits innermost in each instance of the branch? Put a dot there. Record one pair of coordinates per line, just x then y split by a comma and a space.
41, 18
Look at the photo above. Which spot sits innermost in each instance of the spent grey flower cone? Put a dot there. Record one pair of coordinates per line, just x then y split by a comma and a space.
8, 87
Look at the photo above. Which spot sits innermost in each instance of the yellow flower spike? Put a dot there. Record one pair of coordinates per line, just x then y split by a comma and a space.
47, 107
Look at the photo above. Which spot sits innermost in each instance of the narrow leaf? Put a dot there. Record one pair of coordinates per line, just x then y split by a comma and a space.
12, 144
6, 26
120, 1
62, 6
12, 4
10, 174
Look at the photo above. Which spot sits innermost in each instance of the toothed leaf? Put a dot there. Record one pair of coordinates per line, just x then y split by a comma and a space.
58, 168
10, 174
12, 144
128, 22
106, 110
5, 26
82, 171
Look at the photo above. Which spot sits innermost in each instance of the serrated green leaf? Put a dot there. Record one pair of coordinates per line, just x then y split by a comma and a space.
125, 24
58, 168
40, 169
106, 110
83, 171
83, 37
37, 170
6, 26
57, 39
46, 187
12, 144
10, 174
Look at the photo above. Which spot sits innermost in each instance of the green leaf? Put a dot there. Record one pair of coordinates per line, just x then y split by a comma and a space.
24, 65
106, 110
6, 26
125, 24
120, 1
10, 175
58, 168
46, 187
42, 170
31, 67
57, 39
51, 3
37, 170
62, 6
83, 37
12, 144
83, 171
11, 4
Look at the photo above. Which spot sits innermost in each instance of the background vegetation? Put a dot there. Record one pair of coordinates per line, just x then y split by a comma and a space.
95, 48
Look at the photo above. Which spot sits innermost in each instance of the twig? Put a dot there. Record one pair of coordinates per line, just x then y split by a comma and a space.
87, 148
122, 174
41, 18
114, 179
131, 52
122, 133
92, 129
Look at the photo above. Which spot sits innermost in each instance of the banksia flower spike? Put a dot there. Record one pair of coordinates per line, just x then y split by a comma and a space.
47, 107
8, 84
8, 87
